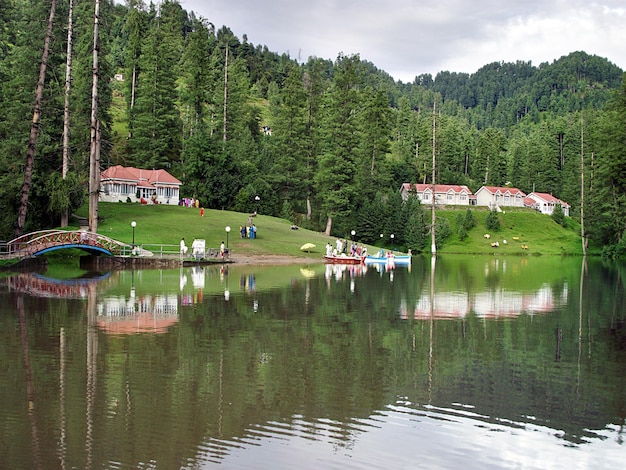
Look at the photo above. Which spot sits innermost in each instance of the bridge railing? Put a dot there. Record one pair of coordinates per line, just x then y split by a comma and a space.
29, 244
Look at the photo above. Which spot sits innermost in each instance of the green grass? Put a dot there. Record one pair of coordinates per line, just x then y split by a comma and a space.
163, 224
518, 227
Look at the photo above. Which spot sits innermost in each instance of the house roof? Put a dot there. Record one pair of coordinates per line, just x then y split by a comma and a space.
144, 178
439, 188
549, 198
529, 202
502, 190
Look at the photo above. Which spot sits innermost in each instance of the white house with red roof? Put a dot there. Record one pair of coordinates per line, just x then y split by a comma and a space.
545, 203
119, 184
444, 194
495, 197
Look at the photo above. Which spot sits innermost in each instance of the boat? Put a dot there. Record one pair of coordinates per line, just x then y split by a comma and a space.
343, 259
391, 259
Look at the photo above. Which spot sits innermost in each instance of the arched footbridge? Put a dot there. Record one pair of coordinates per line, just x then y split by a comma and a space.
38, 243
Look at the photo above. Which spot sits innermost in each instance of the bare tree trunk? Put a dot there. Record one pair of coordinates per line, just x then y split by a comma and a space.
582, 189
433, 246
66, 107
94, 153
34, 127
329, 226
225, 90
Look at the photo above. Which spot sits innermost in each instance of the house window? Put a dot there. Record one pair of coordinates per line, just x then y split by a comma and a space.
426, 197
450, 197
165, 191
463, 197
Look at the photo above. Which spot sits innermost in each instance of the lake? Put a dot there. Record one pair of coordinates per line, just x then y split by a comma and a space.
470, 361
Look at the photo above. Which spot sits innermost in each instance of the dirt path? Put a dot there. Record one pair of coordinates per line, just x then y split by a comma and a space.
246, 258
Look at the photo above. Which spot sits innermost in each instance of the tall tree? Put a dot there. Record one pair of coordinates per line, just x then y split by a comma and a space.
335, 178
157, 131
289, 138
66, 104
34, 129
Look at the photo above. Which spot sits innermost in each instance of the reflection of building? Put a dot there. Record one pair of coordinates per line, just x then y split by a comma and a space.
498, 303
153, 314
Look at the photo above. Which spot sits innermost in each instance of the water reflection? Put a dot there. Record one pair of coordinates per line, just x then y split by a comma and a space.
313, 366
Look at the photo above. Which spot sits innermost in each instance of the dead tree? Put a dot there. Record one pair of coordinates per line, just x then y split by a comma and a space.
34, 127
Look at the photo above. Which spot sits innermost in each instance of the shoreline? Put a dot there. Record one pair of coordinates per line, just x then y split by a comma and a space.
242, 258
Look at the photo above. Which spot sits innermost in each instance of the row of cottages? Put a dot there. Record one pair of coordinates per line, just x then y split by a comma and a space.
122, 184
493, 197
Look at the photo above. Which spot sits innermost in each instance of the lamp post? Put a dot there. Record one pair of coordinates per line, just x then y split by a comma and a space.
257, 199
392, 245
353, 233
227, 232
133, 224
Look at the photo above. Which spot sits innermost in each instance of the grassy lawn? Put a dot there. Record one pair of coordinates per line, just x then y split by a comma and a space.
518, 227
163, 224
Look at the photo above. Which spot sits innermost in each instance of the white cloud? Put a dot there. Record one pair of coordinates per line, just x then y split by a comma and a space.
407, 38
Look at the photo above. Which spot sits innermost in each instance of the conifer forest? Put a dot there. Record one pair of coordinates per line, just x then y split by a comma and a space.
324, 143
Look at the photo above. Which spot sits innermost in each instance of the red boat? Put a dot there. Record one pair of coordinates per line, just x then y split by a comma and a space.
343, 259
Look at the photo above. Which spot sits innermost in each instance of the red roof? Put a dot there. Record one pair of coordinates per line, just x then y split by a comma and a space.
503, 190
439, 188
144, 178
549, 198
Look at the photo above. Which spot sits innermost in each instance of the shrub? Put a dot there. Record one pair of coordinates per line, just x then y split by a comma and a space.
559, 216
492, 221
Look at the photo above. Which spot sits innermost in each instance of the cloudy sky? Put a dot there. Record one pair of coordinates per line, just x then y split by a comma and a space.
406, 38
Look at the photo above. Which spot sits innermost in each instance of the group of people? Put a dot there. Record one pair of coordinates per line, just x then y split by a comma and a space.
248, 231
345, 248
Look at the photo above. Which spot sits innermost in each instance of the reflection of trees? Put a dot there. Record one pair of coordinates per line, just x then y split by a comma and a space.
313, 361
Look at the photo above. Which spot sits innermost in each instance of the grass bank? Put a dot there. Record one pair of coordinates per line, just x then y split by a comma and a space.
520, 228
163, 224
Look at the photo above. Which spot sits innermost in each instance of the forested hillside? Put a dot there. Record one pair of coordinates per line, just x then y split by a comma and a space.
326, 143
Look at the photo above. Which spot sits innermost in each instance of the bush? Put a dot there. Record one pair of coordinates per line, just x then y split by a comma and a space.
470, 221
559, 216
492, 221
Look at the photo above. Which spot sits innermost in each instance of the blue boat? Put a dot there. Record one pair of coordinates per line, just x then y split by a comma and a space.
391, 259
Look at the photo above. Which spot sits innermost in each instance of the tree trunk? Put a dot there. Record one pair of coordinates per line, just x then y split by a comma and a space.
433, 245
225, 90
94, 151
66, 107
34, 127
329, 226
582, 189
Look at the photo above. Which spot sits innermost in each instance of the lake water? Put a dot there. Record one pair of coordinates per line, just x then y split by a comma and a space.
469, 362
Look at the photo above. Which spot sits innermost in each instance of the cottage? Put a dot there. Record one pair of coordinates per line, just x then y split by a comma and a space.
119, 184
445, 194
545, 203
495, 197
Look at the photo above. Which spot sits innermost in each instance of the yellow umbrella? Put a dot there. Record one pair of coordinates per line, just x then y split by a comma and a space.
307, 247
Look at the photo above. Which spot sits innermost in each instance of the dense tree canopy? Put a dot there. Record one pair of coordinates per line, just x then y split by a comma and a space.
324, 143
